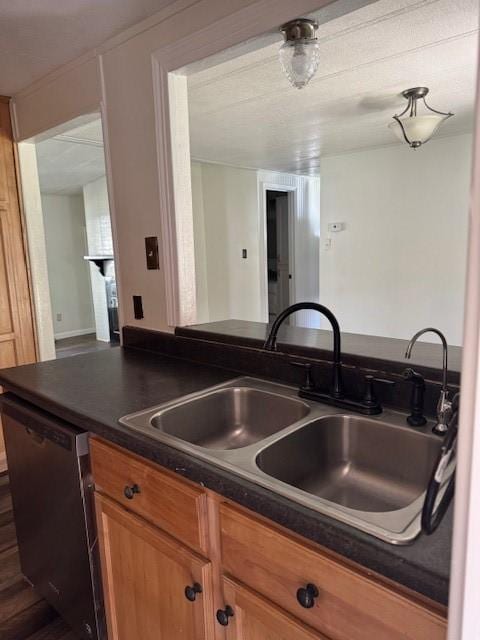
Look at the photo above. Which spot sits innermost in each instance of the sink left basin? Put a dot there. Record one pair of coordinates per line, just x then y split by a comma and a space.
229, 418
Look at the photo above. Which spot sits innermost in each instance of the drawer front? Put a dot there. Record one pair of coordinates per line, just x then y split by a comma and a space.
172, 505
349, 606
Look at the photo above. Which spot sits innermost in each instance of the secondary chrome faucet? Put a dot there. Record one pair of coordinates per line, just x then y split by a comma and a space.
444, 405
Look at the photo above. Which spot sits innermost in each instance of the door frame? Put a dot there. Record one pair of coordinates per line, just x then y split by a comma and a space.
262, 241
35, 247
464, 612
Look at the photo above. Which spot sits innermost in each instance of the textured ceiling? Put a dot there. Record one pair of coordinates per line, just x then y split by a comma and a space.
71, 159
243, 112
36, 37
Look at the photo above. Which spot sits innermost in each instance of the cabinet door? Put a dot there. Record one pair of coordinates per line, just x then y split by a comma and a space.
145, 574
255, 618
17, 344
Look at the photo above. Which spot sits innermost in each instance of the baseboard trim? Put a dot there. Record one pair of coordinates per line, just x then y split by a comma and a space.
73, 334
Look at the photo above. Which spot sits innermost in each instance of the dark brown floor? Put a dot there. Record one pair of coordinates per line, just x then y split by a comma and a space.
23, 614
80, 344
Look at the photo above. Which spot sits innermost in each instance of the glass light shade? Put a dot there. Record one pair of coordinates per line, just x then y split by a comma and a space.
418, 129
299, 60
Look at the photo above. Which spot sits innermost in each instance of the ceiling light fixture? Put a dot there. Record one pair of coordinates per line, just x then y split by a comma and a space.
417, 128
299, 55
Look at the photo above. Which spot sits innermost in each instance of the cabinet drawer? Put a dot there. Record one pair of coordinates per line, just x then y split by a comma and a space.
349, 606
172, 505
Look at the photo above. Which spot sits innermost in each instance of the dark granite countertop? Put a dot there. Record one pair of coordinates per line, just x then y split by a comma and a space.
92, 391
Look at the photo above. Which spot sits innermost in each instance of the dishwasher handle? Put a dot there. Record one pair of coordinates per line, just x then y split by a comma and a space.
35, 436
42, 426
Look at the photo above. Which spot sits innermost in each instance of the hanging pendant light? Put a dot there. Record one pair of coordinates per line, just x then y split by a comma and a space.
417, 128
299, 55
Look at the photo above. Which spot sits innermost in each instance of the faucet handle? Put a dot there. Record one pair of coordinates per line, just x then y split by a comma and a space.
416, 417
413, 376
444, 413
307, 366
369, 397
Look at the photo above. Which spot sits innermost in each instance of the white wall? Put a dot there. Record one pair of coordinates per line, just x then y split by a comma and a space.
118, 78
99, 241
225, 213
229, 215
399, 265
64, 224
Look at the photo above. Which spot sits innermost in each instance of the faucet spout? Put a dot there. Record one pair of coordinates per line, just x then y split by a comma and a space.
408, 352
444, 407
271, 342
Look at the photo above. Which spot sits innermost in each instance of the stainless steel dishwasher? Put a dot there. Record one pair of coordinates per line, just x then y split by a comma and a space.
48, 467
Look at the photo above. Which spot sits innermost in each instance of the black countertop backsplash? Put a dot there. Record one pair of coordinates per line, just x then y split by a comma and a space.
92, 391
357, 349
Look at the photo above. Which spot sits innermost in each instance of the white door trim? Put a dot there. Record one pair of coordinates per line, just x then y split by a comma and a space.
464, 612
29, 189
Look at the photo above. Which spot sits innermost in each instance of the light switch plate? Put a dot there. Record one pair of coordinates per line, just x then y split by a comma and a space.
151, 252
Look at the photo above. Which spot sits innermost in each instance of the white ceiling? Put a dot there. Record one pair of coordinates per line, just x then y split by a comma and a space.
243, 112
71, 159
36, 37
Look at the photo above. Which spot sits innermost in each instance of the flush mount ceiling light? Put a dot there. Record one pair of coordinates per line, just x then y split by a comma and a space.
417, 128
299, 55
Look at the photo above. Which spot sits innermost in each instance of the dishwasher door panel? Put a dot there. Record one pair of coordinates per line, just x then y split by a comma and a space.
51, 516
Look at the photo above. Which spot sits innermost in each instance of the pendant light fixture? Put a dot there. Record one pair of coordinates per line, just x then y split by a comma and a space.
413, 126
299, 55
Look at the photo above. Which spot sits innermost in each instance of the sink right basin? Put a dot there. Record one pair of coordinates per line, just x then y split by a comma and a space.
356, 462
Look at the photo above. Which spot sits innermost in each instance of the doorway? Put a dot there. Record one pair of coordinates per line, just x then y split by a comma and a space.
279, 274
70, 240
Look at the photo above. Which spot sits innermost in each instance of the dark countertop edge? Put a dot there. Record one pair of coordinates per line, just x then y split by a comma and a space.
370, 553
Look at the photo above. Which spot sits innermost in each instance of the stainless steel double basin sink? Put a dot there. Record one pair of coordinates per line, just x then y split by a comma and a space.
368, 472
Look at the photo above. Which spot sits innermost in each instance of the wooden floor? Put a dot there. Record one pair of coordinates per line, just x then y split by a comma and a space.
23, 615
67, 347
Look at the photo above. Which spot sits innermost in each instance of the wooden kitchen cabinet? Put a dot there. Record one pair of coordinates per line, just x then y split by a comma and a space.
247, 563
347, 605
145, 576
255, 618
